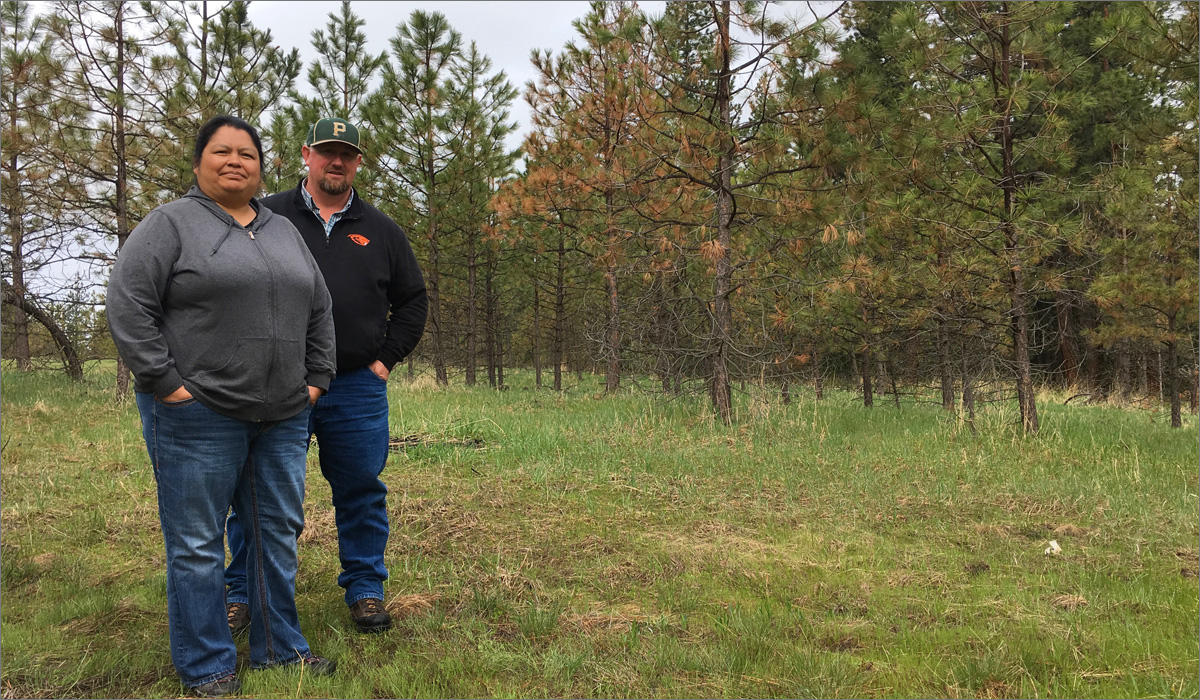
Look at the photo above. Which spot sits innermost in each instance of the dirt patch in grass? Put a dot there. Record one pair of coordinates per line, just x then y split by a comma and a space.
840, 642
1190, 560
976, 567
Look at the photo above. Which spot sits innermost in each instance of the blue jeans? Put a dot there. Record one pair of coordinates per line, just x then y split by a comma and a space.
351, 426
205, 462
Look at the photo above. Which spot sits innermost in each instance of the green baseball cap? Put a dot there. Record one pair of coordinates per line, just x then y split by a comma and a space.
333, 130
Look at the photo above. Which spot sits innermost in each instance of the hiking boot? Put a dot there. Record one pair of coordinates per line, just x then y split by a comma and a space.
369, 616
238, 615
318, 665
219, 688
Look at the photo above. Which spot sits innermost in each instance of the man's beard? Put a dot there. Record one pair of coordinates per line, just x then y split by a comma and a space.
333, 188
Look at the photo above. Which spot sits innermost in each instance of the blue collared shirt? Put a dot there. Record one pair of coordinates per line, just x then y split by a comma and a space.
334, 218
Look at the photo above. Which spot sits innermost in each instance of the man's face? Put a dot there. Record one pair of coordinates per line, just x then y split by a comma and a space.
331, 166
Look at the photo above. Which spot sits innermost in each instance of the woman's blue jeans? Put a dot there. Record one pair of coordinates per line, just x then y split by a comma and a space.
351, 426
204, 463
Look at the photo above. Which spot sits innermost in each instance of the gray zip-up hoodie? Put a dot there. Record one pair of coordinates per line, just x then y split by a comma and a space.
240, 317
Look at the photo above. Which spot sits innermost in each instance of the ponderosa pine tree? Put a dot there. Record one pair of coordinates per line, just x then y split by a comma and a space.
728, 119
226, 65
115, 76
411, 116
36, 188
339, 83
479, 120
989, 86
1148, 287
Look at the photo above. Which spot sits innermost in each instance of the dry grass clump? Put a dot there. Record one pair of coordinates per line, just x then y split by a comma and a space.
1068, 602
411, 604
619, 618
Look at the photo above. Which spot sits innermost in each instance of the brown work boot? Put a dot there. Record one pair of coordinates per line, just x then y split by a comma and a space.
370, 616
238, 615
221, 687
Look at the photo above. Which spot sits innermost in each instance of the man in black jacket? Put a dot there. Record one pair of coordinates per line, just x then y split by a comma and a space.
379, 307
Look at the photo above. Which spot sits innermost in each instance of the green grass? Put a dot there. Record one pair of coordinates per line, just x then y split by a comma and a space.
580, 545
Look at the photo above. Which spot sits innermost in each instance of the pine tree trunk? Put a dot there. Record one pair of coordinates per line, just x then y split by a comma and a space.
472, 313
891, 375
1121, 377
1012, 248
433, 284
1172, 372
1066, 346
818, 377
722, 321
492, 324
70, 357
537, 335
19, 344
945, 366
122, 181
867, 388
968, 392
560, 313
1145, 371
612, 378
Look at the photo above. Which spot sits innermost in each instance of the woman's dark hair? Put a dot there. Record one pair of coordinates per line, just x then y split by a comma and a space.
210, 127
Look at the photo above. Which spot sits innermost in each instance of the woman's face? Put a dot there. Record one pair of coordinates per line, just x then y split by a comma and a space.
229, 170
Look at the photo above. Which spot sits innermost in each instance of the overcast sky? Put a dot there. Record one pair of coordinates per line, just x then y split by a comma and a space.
506, 32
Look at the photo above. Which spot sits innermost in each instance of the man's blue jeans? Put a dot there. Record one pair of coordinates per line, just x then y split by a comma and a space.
351, 426
205, 462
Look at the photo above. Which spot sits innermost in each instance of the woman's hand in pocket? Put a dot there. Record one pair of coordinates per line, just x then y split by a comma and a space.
178, 396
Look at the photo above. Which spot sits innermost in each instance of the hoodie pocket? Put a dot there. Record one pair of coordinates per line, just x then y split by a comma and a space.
239, 378
289, 371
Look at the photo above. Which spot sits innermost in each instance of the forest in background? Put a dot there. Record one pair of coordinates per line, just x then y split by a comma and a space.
960, 200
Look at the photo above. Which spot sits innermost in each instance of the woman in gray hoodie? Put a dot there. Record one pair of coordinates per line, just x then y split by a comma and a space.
219, 311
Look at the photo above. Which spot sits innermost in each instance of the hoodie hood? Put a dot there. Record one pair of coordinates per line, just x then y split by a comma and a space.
263, 214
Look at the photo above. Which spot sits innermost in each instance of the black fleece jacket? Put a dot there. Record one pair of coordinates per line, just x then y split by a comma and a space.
379, 300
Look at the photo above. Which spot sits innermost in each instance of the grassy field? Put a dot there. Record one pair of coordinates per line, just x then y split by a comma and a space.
578, 545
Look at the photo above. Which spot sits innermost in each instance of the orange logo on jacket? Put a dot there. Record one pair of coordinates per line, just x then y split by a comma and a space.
359, 239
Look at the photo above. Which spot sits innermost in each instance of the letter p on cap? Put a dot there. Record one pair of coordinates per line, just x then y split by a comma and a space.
338, 128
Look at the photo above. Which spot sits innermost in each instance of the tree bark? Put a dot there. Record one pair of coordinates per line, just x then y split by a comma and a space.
722, 317
122, 183
868, 390
968, 391
1172, 373
1066, 345
945, 366
818, 378
19, 345
891, 375
537, 334
612, 378
558, 350
1012, 248
472, 314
